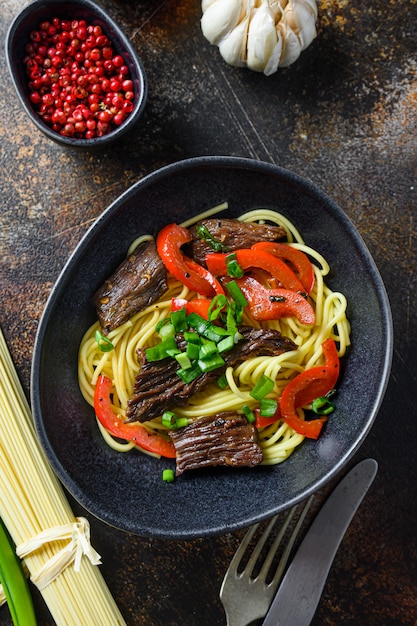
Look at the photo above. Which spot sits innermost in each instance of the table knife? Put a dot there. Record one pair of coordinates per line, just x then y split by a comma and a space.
299, 593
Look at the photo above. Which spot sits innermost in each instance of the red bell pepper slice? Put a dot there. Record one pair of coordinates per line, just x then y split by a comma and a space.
204, 273
130, 432
272, 304
297, 259
249, 258
261, 420
196, 305
168, 243
308, 386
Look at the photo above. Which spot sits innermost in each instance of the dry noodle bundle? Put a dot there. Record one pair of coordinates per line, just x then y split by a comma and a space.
34, 509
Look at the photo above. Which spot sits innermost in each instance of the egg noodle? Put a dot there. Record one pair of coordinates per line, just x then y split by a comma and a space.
278, 440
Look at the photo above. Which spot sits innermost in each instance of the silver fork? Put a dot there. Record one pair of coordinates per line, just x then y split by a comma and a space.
246, 593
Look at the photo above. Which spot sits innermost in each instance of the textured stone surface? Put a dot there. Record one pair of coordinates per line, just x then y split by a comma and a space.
345, 116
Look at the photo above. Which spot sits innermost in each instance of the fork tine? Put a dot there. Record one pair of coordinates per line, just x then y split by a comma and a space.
238, 555
246, 597
260, 544
274, 547
289, 545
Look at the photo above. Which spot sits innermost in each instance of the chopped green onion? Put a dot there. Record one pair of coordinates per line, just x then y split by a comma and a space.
322, 405
181, 422
198, 322
222, 382
173, 353
204, 233
250, 415
183, 360
226, 344
268, 407
216, 333
211, 363
192, 351
237, 311
236, 293
231, 322
168, 419
160, 351
207, 349
168, 475
190, 374
192, 337
161, 324
264, 386
179, 320
217, 305
206, 328
167, 330
104, 344
233, 268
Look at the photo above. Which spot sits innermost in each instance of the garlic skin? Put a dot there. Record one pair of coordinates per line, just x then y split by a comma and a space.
217, 24
262, 35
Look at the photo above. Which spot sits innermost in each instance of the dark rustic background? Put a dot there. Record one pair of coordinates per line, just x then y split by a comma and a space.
344, 116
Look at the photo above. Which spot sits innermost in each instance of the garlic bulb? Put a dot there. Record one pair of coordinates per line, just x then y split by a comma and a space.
262, 35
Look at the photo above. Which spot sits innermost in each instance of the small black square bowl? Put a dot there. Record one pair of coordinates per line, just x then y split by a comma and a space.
44, 10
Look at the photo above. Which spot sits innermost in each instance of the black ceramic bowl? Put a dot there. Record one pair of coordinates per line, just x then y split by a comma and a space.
18, 36
126, 490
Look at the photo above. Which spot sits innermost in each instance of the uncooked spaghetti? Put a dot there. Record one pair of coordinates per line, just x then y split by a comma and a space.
32, 503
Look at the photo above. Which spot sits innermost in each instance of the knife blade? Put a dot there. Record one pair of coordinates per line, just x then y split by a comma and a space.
299, 593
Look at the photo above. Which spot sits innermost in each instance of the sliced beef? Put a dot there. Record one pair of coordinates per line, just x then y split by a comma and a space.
139, 281
233, 234
158, 387
223, 439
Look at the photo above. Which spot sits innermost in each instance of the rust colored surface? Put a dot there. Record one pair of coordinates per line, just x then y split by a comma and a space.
345, 116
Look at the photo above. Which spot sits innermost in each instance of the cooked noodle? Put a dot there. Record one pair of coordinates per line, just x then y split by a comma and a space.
278, 440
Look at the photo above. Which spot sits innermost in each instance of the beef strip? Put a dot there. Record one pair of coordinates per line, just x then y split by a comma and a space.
223, 439
139, 281
233, 234
158, 387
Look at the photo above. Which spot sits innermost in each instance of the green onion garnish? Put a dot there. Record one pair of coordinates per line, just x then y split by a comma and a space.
183, 360
179, 320
168, 419
207, 349
222, 382
211, 363
268, 407
217, 305
236, 293
204, 233
181, 422
250, 415
206, 329
192, 337
226, 344
160, 351
264, 386
198, 322
322, 405
190, 374
161, 324
104, 344
233, 268
192, 351
168, 475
